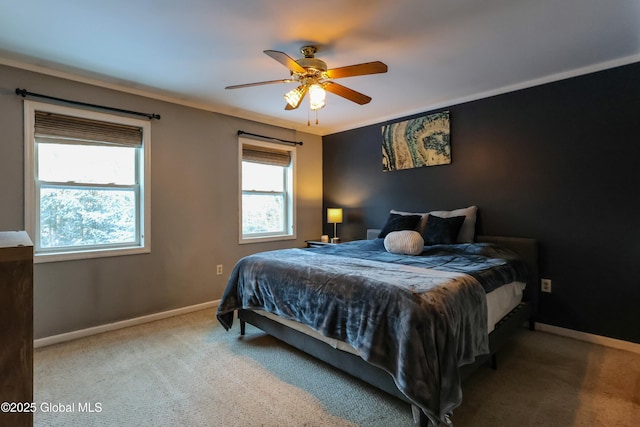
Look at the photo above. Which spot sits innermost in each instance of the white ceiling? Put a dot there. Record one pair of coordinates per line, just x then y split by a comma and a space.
439, 52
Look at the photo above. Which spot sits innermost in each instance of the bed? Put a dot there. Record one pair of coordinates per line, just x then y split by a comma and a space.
414, 326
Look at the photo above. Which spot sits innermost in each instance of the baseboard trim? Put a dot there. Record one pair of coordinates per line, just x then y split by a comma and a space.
584, 336
68, 336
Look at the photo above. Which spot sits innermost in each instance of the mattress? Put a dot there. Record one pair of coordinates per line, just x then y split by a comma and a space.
499, 303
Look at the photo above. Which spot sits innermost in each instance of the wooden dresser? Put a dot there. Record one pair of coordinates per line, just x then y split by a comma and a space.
16, 326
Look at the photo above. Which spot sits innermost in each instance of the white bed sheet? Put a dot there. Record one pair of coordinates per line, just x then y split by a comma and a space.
499, 303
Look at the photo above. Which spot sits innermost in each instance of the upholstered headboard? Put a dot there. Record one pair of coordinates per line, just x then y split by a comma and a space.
372, 233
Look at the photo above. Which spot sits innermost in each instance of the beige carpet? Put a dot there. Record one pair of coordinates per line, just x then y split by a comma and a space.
188, 371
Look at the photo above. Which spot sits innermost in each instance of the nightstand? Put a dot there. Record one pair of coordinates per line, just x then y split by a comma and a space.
317, 243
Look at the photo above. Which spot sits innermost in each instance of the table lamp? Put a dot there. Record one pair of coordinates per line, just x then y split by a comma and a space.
334, 216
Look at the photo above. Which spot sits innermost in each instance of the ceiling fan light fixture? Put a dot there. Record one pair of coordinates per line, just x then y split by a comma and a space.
314, 77
293, 97
317, 96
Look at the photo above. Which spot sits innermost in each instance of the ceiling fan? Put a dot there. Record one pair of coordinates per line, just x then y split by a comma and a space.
314, 78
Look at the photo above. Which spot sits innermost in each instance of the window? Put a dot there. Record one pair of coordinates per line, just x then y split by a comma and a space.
86, 183
267, 200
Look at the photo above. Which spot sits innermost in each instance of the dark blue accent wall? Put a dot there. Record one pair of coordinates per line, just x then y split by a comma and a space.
559, 162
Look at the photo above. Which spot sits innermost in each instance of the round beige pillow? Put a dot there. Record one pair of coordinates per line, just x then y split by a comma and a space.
406, 242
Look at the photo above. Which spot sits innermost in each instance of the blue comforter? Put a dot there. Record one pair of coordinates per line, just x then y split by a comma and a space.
418, 317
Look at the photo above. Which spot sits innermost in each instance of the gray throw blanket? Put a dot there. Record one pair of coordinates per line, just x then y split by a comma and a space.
417, 317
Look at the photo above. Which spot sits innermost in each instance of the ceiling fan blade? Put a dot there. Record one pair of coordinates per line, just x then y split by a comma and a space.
286, 60
345, 92
302, 91
268, 82
357, 70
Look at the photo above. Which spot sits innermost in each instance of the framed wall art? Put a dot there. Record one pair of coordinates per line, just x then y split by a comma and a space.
423, 141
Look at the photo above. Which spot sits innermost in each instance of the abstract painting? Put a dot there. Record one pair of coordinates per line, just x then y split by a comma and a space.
414, 143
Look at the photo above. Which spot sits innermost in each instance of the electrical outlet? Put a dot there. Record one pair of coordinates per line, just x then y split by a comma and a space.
219, 269
545, 285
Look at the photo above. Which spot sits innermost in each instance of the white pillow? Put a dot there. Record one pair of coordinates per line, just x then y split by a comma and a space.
406, 242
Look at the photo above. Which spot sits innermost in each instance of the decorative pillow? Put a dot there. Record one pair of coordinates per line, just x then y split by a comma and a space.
397, 222
423, 218
442, 231
468, 230
406, 242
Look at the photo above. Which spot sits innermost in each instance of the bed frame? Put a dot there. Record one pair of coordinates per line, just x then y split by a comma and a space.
357, 367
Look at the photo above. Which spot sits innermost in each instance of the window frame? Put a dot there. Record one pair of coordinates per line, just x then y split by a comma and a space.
32, 187
289, 191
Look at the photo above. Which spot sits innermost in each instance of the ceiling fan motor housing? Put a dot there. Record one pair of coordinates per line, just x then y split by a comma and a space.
315, 67
312, 65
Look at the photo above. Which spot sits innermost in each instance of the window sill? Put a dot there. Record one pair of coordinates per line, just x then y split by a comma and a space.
265, 239
41, 258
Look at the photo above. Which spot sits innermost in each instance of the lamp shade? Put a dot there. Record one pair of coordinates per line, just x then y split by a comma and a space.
334, 215
316, 96
294, 96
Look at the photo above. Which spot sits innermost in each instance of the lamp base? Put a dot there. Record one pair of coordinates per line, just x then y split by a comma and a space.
335, 240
